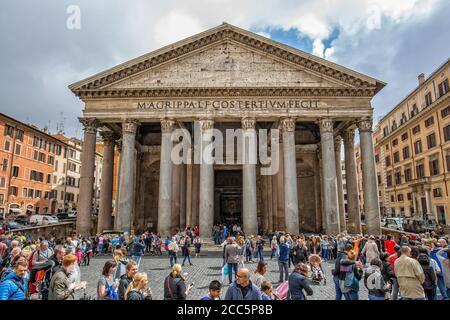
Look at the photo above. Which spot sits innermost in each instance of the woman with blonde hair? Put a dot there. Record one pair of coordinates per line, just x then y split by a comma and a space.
352, 273
175, 286
137, 289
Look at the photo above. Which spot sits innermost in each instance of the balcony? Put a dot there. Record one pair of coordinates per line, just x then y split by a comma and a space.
420, 182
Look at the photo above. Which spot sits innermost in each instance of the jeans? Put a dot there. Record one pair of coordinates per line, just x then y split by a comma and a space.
376, 298
325, 254
273, 253
395, 290
283, 267
337, 287
351, 295
137, 259
172, 259
232, 266
442, 288
188, 257
291, 260
260, 254
248, 255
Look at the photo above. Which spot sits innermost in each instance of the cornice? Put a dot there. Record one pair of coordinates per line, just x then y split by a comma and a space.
225, 92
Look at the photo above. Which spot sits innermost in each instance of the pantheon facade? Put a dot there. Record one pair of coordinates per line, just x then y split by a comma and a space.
229, 78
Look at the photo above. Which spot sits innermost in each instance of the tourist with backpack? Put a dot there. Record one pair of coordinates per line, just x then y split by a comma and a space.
351, 272
14, 286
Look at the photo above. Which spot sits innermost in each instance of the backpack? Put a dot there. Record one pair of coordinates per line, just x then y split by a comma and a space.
350, 280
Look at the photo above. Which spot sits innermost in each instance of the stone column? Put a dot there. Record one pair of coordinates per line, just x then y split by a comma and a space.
127, 175
370, 185
116, 200
206, 207
290, 176
195, 195
269, 195
176, 171
84, 218
165, 179
189, 190
354, 217
183, 196
249, 214
106, 188
428, 201
416, 209
340, 187
330, 193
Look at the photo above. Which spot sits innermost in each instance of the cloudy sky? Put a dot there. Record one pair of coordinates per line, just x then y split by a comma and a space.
40, 56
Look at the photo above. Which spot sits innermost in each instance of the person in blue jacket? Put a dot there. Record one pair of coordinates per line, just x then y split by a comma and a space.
298, 282
14, 286
242, 288
283, 258
138, 249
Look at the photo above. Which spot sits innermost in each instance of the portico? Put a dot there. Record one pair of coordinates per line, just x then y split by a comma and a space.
228, 78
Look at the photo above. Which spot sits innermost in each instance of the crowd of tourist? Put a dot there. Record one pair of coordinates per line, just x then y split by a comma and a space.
413, 267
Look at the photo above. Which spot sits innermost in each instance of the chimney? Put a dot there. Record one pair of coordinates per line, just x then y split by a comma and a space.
421, 78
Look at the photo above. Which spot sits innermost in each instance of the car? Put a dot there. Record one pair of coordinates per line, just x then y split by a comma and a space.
393, 223
43, 219
13, 225
72, 214
62, 216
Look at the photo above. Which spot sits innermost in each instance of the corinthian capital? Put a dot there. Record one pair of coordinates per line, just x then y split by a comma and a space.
349, 136
206, 124
337, 143
326, 125
108, 137
167, 125
90, 124
248, 123
365, 125
287, 124
130, 126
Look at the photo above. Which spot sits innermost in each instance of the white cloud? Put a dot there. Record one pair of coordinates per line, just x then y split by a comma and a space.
318, 48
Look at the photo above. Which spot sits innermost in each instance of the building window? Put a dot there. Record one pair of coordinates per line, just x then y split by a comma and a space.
49, 178
379, 179
437, 193
389, 180
377, 158
30, 193
387, 147
396, 156
434, 167
443, 87
447, 159
9, 130
2, 198
5, 164
403, 119
388, 161
408, 175
13, 191
414, 110
431, 140
41, 156
445, 112
409, 196
420, 171
24, 192
385, 131
447, 133
428, 100
418, 147
18, 149
404, 136
36, 176
62, 195
416, 129
429, 122
15, 171
35, 155
392, 198
394, 125
394, 142
38, 194
7, 145
398, 178
400, 197
406, 153
2, 182
51, 160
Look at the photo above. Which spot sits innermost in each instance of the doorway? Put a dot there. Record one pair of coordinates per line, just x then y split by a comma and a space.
228, 197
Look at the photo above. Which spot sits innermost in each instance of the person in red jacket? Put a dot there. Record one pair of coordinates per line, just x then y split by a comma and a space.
389, 244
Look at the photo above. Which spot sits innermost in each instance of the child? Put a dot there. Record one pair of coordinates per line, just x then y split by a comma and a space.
267, 291
79, 255
215, 288
316, 269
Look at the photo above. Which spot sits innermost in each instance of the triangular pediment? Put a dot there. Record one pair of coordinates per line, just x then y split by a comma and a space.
227, 64
226, 57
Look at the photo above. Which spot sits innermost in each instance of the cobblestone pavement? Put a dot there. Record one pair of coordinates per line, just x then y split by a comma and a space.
205, 268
